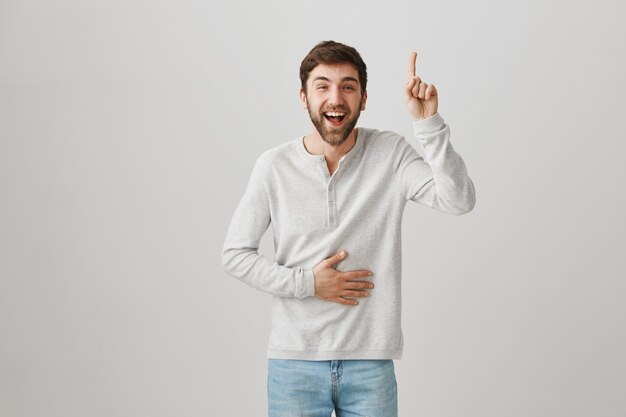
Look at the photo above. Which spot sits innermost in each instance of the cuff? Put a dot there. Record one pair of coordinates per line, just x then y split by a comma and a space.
422, 126
306, 287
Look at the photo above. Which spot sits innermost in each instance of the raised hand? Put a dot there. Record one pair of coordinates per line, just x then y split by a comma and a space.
421, 98
332, 285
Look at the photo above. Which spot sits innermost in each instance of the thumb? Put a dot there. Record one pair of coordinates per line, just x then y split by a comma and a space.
336, 258
408, 94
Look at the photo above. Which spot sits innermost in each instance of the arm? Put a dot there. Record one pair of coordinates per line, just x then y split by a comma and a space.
240, 255
439, 180
242, 260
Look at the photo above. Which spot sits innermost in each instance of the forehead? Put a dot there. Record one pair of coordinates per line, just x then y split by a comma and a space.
334, 72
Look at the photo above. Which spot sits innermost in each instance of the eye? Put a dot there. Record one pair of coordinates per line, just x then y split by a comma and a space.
348, 87
321, 87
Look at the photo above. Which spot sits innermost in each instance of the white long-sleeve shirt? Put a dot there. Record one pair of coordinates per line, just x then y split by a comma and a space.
359, 209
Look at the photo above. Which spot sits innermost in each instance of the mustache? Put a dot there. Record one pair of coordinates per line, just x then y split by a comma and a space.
335, 108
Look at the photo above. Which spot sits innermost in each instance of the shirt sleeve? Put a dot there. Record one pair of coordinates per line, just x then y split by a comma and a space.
439, 179
240, 255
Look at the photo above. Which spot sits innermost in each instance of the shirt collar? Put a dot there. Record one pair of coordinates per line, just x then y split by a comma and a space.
360, 138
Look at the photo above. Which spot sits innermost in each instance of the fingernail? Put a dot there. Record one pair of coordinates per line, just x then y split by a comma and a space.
342, 253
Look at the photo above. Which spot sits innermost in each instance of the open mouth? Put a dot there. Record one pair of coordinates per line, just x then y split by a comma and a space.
335, 117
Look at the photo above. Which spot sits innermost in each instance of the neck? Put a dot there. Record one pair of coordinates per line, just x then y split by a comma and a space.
315, 145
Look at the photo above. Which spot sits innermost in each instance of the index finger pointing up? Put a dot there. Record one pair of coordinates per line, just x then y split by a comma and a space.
412, 62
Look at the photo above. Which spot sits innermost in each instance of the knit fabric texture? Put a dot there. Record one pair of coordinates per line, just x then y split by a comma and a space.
358, 209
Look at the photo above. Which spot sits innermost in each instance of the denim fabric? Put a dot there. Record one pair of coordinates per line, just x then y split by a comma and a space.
352, 388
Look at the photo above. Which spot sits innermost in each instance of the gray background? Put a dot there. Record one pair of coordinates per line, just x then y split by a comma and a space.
129, 129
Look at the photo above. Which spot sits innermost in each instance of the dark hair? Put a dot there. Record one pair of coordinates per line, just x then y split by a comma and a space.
331, 52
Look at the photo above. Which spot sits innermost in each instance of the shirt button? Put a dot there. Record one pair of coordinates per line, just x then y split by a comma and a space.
332, 203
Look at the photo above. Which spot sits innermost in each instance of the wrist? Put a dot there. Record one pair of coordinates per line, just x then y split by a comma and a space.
427, 124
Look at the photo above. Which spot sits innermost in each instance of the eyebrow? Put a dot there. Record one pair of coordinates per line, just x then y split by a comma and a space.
344, 79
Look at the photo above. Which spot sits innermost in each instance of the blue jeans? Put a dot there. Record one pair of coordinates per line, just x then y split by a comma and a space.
353, 388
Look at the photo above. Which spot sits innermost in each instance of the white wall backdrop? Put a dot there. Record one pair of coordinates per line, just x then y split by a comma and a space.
128, 130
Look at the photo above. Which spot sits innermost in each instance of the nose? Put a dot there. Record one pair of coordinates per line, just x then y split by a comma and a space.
334, 97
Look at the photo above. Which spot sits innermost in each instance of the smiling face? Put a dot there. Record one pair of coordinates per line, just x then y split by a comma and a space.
334, 101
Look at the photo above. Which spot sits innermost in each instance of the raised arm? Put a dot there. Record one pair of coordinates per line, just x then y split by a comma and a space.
439, 179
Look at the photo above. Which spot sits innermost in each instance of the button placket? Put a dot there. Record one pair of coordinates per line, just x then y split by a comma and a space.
323, 168
332, 205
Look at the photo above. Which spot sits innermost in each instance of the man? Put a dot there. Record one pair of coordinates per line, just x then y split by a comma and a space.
335, 200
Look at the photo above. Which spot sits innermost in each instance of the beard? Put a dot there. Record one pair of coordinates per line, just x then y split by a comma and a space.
334, 135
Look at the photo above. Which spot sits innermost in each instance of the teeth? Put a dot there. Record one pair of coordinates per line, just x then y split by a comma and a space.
334, 114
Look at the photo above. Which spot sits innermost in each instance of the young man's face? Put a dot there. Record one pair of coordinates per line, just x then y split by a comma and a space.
334, 101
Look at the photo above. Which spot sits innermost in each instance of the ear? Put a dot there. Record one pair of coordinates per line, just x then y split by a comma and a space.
303, 100
363, 100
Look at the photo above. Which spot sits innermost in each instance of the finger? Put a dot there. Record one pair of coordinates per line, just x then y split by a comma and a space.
412, 64
336, 258
358, 285
422, 91
416, 87
350, 275
351, 293
347, 301
431, 91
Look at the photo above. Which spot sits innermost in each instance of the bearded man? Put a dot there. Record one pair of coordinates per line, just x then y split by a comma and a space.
335, 200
